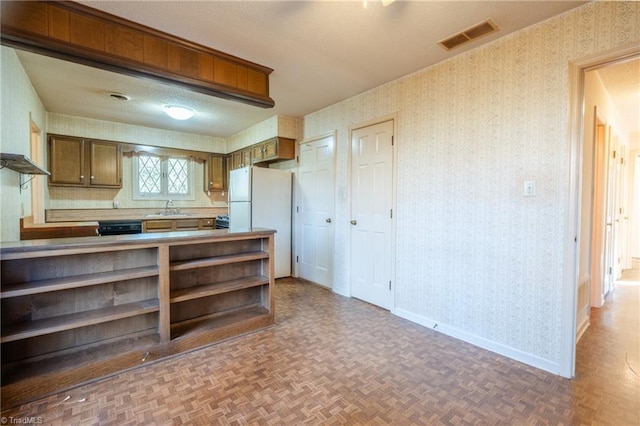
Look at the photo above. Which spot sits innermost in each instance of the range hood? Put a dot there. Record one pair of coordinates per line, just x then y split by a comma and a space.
21, 164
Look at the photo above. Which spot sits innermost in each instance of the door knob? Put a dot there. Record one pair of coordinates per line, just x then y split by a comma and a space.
328, 220
354, 222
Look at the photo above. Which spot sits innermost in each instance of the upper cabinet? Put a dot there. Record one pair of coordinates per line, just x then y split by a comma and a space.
269, 151
274, 149
84, 163
215, 178
241, 158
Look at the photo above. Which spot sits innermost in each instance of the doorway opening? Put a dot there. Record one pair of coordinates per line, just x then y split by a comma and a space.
600, 214
37, 184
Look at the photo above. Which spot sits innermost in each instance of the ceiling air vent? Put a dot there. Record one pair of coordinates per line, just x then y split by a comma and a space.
471, 33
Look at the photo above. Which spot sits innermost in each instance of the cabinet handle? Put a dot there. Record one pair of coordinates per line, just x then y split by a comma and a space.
92, 178
328, 220
81, 177
354, 222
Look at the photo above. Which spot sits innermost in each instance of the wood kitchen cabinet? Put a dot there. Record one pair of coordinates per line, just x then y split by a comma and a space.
215, 170
85, 163
168, 225
274, 149
241, 158
269, 151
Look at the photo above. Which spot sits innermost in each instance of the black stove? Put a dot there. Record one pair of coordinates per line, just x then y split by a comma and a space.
222, 222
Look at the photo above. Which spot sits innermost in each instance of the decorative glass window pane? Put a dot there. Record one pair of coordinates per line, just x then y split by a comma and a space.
149, 174
178, 182
160, 177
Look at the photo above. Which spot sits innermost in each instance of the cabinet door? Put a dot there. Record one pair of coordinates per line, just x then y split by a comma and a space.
157, 226
246, 157
216, 173
106, 164
187, 224
236, 160
270, 149
66, 161
207, 223
257, 153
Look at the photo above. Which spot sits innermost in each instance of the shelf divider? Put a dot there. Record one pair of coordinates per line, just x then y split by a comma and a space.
217, 260
67, 283
59, 323
206, 290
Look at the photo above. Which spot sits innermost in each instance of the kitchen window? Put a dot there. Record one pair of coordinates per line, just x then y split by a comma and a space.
161, 177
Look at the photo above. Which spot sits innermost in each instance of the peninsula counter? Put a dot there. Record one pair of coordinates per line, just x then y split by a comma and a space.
77, 309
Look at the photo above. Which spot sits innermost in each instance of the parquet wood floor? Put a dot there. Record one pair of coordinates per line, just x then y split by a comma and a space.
331, 360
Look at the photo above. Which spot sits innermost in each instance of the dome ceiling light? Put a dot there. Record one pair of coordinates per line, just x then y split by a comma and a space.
119, 96
178, 112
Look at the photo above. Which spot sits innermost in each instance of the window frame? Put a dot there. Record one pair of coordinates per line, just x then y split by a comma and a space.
164, 194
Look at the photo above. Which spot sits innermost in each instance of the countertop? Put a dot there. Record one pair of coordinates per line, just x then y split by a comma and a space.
92, 215
150, 239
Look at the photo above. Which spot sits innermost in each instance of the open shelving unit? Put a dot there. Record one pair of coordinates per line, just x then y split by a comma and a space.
72, 313
214, 281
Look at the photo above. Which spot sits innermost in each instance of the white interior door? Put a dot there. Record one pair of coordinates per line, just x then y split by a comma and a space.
315, 211
371, 213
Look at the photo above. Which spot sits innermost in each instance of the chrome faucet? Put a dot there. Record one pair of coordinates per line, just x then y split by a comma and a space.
166, 206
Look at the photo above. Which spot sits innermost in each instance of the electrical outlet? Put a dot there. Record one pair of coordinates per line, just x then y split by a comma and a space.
529, 188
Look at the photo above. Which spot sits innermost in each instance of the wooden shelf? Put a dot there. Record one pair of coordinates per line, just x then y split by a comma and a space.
41, 327
66, 283
218, 321
190, 293
31, 379
217, 260
74, 357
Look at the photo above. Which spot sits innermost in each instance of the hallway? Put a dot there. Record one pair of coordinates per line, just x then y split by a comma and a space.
332, 360
608, 355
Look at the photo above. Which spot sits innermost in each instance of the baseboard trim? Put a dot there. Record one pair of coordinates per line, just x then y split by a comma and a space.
490, 345
582, 327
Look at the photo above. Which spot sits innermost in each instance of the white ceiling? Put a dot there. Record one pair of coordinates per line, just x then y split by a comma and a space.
622, 81
322, 52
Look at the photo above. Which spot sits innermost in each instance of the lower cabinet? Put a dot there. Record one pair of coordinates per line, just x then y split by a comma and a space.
167, 225
72, 314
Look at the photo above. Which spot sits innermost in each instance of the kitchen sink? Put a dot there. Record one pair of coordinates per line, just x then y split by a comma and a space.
168, 215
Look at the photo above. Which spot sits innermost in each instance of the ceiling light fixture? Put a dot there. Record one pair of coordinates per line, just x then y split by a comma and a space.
179, 112
119, 96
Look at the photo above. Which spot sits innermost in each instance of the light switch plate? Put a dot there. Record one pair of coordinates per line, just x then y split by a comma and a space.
529, 188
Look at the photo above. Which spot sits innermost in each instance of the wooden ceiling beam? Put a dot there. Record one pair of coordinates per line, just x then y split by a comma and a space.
81, 34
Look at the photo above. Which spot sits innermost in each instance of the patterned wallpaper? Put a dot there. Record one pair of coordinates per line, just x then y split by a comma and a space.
18, 101
472, 252
278, 125
98, 129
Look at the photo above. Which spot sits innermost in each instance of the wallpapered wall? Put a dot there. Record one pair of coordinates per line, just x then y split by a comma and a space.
278, 125
18, 101
473, 254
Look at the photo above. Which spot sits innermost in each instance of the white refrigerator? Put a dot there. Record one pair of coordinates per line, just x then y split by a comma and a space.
261, 198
